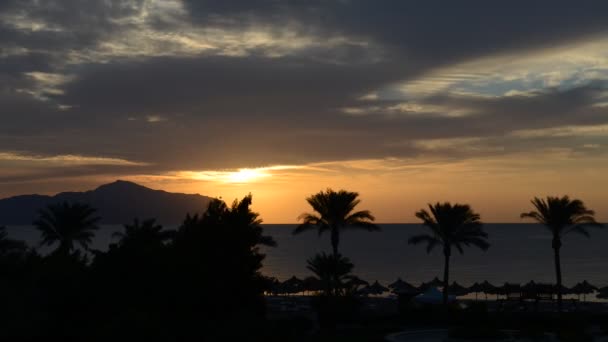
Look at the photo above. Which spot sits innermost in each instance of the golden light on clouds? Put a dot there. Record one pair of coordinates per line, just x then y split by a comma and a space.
393, 189
238, 176
65, 160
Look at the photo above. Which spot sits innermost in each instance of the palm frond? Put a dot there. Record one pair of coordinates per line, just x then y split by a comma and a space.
333, 211
431, 241
562, 215
451, 226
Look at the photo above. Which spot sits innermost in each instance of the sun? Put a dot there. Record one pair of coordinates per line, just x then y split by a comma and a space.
246, 175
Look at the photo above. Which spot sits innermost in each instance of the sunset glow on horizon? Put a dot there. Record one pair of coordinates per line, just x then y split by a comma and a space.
405, 105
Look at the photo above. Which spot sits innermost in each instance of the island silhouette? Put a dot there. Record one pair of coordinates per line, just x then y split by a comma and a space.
116, 203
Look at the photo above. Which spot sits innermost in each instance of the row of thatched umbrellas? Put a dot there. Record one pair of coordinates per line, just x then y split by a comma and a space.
295, 285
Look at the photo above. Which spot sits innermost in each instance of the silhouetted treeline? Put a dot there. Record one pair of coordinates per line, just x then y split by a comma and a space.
202, 281
199, 281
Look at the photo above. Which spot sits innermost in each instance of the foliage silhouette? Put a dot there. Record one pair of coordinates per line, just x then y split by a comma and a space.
67, 224
561, 216
333, 271
334, 213
199, 282
143, 233
216, 259
18, 266
451, 226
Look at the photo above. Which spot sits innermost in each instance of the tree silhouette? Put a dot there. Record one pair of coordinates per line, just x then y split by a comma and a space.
333, 272
219, 252
561, 216
334, 214
67, 224
146, 233
451, 226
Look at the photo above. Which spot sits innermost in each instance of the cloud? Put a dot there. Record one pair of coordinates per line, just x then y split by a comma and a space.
18, 167
214, 85
66, 160
564, 131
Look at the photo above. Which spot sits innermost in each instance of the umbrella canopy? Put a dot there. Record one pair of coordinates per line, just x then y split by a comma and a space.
602, 295
603, 292
405, 288
433, 283
292, 285
432, 296
508, 288
375, 289
457, 289
476, 287
530, 286
583, 288
396, 283
564, 289
489, 288
355, 281
594, 288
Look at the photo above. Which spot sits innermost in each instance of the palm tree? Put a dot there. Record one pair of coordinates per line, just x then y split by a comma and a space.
451, 226
67, 224
561, 216
335, 213
147, 232
333, 272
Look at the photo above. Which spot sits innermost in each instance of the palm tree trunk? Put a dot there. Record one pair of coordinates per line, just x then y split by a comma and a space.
335, 239
558, 272
446, 275
64, 248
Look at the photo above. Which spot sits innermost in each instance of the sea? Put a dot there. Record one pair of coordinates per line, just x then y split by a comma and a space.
518, 253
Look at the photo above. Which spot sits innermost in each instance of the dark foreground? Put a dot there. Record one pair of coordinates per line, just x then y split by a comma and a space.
472, 324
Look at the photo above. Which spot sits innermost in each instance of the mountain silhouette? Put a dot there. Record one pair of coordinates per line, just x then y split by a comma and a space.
116, 203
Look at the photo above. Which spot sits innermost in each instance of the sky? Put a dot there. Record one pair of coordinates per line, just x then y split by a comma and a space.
406, 102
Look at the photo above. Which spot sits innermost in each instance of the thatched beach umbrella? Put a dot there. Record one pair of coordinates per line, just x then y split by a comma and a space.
530, 286
407, 290
511, 290
584, 289
404, 288
375, 289
536, 290
529, 289
564, 290
602, 292
457, 289
602, 295
292, 285
588, 287
396, 283
476, 288
488, 288
355, 282
433, 283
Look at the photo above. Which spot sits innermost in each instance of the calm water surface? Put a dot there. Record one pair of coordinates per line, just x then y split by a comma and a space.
519, 253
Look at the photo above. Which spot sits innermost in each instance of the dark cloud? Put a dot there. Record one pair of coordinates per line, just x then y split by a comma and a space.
231, 86
231, 112
435, 32
215, 111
